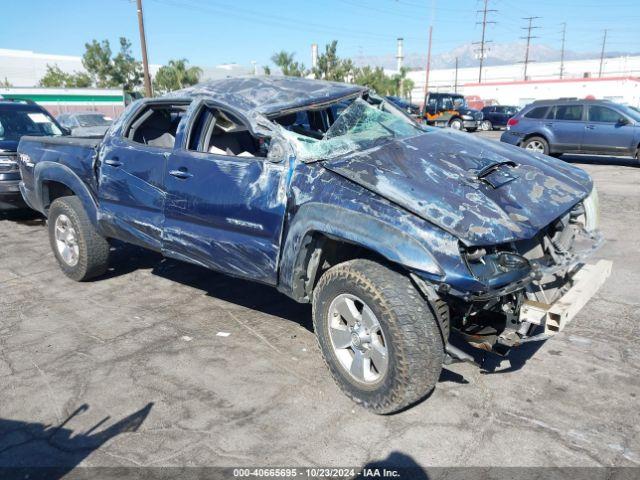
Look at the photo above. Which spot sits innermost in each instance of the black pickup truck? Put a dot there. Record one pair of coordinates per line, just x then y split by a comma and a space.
398, 234
18, 118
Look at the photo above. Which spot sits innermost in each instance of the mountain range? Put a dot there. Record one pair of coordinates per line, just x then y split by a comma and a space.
498, 54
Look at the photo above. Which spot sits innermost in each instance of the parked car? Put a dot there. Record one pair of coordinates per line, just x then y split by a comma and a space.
496, 116
451, 110
86, 124
18, 118
410, 108
596, 127
396, 233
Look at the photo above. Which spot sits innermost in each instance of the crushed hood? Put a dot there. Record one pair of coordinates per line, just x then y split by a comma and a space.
436, 176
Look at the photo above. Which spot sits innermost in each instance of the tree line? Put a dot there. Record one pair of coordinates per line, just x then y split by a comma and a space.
104, 69
330, 66
107, 69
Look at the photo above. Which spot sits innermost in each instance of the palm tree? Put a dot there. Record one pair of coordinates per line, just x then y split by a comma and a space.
176, 75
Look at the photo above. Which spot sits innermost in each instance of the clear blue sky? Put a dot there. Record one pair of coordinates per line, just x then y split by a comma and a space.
209, 32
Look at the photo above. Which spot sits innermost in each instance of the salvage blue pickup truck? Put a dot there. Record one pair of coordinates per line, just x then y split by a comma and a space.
398, 234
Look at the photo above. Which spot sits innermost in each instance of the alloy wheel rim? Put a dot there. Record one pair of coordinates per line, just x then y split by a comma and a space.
535, 146
456, 125
357, 339
66, 241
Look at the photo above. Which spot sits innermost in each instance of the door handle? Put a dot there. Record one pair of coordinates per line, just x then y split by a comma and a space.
114, 162
183, 174
548, 124
590, 127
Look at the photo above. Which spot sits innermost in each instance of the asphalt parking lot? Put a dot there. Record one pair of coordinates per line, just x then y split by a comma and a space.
161, 363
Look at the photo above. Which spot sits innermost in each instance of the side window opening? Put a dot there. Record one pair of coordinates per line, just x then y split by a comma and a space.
157, 125
310, 123
537, 112
568, 112
219, 132
603, 114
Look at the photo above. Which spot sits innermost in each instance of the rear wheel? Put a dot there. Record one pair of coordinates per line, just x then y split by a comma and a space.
81, 252
536, 144
377, 335
486, 125
456, 124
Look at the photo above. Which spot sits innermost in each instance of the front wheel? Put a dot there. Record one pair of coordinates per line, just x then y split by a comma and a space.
81, 252
377, 335
456, 124
536, 144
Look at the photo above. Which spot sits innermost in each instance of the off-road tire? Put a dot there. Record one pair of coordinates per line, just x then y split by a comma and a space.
543, 142
414, 342
93, 257
456, 121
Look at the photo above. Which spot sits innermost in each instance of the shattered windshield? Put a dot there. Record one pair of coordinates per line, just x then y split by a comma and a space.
361, 126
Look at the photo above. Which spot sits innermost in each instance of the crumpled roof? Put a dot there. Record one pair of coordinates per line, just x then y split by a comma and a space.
268, 94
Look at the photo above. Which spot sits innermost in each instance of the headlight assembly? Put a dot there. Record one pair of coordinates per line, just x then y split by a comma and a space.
8, 164
591, 211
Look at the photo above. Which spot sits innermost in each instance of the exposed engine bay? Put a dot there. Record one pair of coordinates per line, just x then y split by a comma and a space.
541, 283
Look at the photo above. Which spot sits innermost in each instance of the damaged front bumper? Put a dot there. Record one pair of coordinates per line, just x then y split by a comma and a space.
554, 317
534, 306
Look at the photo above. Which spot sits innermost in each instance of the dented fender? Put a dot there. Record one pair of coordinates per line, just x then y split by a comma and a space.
56, 172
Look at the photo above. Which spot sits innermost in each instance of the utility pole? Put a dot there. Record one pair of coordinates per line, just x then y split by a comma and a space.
455, 79
604, 42
143, 44
483, 41
528, 38
564, 32
426, 83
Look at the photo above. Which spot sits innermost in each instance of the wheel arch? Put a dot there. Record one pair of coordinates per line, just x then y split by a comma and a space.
312, 245
531, 135
53, 180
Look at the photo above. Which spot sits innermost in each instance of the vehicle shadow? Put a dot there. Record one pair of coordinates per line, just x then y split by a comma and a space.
35, 450
601, 160
491, 363
253, 295
24, 217
266, 299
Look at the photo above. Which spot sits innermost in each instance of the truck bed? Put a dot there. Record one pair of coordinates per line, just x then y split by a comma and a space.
77, 154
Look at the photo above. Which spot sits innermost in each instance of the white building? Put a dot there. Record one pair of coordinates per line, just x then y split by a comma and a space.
24, 68
506, 85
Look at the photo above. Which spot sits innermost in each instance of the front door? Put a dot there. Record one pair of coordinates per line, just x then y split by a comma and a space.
225, 201
605, 133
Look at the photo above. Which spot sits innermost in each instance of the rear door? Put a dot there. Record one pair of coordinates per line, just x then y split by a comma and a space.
608, 132
225, 201
131, 174
567, 124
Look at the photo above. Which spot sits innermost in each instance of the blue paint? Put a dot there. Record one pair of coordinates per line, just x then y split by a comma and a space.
415, 201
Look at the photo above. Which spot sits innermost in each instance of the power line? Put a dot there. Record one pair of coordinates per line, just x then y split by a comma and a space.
528, 28
604, 42
483, 40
